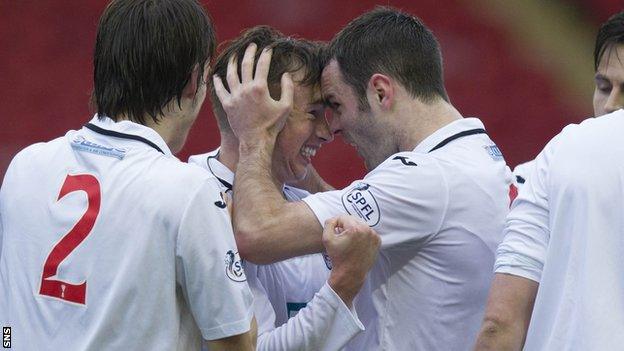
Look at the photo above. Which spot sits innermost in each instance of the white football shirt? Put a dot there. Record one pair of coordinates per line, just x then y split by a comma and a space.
110, 242
439, 210
566, 232
284, 288
522, 172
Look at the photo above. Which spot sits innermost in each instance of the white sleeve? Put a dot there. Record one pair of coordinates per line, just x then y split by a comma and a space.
522, 172
404, 199
523, 250
326, 324
209, 269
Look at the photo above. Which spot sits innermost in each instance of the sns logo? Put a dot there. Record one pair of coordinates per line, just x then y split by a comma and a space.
234, 267
359, 201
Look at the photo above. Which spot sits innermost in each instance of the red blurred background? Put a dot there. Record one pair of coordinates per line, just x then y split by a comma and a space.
46, 70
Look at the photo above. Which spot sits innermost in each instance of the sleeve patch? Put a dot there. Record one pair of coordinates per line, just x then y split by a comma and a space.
359, 201
234, 266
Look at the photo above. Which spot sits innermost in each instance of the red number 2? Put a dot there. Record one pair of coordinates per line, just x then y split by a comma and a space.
58, 288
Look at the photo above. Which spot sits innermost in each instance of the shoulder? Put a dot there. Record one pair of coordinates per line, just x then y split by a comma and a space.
406, 169
178, 180
200, 159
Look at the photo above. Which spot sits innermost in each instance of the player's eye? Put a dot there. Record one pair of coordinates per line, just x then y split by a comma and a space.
603, 86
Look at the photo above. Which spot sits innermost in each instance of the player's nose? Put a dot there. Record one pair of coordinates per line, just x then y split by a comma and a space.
615, 100
334, 123
323, 131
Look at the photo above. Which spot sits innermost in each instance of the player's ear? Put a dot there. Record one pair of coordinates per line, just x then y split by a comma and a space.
192, 86
381, 91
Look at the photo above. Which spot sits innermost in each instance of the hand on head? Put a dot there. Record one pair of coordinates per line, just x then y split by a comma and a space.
251, 111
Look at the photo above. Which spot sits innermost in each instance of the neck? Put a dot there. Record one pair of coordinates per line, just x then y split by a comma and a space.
228, 151
430, 117
167, 131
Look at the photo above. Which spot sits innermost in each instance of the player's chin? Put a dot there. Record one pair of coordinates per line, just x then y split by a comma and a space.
299, 169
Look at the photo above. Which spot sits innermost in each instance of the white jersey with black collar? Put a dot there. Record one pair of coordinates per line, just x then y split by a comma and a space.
566, 232
439, 210
289, 288
110, 242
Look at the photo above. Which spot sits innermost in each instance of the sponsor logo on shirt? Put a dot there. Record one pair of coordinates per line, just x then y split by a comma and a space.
494, 152
359, 201
81, 144
234, 266
404, 160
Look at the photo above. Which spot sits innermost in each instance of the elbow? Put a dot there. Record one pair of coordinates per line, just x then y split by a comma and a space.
499, 333
249, 244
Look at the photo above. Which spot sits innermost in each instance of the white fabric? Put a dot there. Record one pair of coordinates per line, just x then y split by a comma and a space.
522, 172
154, 261
440, 216
565, 231
282, 289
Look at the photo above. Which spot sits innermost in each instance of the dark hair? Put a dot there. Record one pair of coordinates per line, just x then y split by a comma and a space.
289, 55
388, 41
145, 54
611, 32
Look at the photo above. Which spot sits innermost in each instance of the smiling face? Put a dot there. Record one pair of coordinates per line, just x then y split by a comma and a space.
609, 92
305, 131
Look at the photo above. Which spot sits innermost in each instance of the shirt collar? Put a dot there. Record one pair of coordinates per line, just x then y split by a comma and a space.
455, 127
132, 128
218, 169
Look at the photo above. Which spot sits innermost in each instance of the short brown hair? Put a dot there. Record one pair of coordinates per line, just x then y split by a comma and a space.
289, 55
388, 41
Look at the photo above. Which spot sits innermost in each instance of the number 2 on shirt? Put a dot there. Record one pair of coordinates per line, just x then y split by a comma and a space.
58, 288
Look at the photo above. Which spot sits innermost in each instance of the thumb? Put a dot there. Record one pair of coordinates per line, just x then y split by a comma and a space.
329, 229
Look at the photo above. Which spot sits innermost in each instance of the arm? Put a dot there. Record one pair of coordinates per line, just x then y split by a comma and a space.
241, 342
519, 263
208, 270
507, 313
327, 323
267, 228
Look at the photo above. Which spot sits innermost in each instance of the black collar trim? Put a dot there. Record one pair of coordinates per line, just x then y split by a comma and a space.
222, 181
457, 136
112, 133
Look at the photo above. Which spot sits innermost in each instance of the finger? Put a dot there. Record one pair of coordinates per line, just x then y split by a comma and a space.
288, 90
222, 93
348, 221
329, 229
264, 64
248, 63
232, 73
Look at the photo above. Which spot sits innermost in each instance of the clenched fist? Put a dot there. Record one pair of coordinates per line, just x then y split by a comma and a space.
352, 246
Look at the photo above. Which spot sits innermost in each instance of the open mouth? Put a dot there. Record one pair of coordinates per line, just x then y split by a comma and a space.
308, 152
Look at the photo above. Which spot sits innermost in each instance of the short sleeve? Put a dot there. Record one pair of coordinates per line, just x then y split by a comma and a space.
209, 269
404, 199
527, 233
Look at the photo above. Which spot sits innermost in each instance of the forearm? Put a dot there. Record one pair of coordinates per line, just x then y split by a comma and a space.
267, 227
325, 324
496, 336
507, 314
